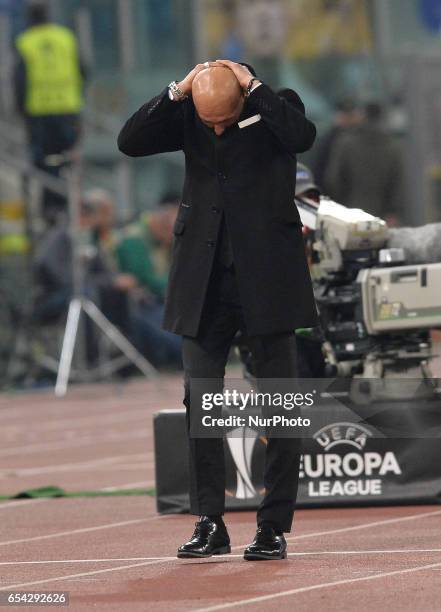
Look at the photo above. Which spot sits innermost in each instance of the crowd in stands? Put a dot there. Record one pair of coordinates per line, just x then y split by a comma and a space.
123, 270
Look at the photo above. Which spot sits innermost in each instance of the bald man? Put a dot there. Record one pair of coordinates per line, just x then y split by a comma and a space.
218, 97
238, 264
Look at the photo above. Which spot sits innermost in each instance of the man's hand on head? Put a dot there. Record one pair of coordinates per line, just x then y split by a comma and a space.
186, 84
242, 73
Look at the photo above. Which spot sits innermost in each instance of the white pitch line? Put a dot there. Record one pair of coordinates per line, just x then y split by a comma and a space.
82, 575
304, 536
20, 502
16, 419
230, 604
30, 449
400, 519
314, 587
227, 556
130, 485
126, 466
14, 408
404, 551
55, 423
60, 561
59, 534
66, 467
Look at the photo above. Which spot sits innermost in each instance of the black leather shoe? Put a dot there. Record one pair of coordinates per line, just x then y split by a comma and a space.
267, 545
209, 538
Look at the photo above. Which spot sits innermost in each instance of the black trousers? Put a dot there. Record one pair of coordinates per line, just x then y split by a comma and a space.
52, 135
274, 356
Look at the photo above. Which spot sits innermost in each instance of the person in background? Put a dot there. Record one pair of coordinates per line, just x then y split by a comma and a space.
366, 168
52, 270
347, 116
310, 361
54, 281
144, 247
114, 288
130, 257
49, 80
306, 186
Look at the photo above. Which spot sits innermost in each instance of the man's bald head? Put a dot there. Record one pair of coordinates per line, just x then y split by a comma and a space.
218, 97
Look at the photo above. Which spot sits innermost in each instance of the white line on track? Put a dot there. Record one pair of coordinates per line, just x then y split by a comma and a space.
130, 485
304, 536
400, 519
229, 556
314, 587
243, 602
99, 402
89, 560
91, 440
130, 467
103, 420
405, 551
229, 604
83, 574
67, 467
59, 534
21, 503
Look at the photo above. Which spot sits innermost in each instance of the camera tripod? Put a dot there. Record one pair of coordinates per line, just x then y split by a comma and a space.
80, 303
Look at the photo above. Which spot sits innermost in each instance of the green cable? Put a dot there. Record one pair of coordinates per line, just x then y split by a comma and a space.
54, 491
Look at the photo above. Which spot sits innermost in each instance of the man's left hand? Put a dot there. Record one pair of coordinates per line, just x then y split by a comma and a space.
242, 73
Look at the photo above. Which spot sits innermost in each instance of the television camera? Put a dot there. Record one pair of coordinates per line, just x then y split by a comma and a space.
376, 310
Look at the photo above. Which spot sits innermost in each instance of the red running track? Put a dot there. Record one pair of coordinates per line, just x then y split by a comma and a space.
118, 554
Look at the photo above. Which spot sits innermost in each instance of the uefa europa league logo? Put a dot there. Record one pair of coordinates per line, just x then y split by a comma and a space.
241, 443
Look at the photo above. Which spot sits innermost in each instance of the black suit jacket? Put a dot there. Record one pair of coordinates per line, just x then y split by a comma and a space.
248, 173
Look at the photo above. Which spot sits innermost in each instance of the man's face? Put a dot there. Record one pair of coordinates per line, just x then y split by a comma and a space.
219, 121
105, 215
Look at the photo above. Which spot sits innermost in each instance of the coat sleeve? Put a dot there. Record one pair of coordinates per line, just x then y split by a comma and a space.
284, 114
157, 127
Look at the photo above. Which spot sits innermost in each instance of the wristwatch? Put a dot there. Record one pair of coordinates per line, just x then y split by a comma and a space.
175, 93
250, 86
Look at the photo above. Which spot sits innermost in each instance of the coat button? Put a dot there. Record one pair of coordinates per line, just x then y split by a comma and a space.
215, 209
210, 243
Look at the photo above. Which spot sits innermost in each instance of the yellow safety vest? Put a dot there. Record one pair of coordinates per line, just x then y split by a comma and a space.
13, 239
53, 77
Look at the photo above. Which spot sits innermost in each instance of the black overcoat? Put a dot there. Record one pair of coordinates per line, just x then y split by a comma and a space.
248, 175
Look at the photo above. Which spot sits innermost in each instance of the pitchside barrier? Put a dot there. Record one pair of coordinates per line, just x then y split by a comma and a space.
391, 456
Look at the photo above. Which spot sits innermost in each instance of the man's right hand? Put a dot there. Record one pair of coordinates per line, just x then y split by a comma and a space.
186, 84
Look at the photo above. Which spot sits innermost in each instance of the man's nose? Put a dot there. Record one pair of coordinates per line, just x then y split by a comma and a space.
218, 130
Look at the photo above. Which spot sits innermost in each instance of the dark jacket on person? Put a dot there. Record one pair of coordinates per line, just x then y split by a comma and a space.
246, 175
366, 170
53, 276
